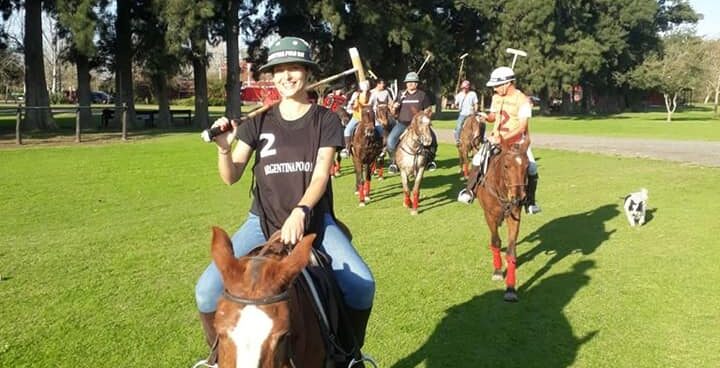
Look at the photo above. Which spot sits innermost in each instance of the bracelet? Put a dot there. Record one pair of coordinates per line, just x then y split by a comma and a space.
306, 210
223, 152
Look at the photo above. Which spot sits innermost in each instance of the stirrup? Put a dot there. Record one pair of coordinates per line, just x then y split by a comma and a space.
364, 358
204, 363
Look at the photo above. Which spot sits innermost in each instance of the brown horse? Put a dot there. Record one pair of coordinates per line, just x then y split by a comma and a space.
501, 195
366, 148
344, 119
410, 156
472, 136
261, 321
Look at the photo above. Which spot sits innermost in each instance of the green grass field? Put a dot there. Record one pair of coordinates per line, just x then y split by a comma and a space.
101, 246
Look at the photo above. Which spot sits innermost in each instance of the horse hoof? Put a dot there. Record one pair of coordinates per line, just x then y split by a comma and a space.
356, 192
380, 178
362, 204
498, 275
367, 199
413, 212
510, 295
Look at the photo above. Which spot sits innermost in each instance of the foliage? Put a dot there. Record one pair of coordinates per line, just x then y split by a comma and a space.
671, 71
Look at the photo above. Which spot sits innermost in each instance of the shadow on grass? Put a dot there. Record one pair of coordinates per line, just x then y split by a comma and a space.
578, 233
487, 332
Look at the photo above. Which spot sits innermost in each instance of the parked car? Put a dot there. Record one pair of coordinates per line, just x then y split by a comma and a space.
101, 97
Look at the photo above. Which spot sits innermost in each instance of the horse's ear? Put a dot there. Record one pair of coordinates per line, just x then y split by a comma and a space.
298, 258
222, 250
428, 110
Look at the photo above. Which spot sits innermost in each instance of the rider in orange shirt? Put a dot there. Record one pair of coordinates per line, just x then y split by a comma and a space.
510, 110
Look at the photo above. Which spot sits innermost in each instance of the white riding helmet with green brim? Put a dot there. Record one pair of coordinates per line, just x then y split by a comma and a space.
289, 50
500, 76
412, 77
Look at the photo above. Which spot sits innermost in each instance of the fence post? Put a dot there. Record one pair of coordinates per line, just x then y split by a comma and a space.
124, 121
18, 121
77, 124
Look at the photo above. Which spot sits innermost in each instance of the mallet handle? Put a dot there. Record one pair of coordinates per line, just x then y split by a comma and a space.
208, 135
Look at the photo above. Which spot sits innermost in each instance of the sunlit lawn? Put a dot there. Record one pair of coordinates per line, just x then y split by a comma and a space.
101, 246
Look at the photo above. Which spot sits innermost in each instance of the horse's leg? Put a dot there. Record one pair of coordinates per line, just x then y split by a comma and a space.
406, 199
416, 190
380, 163
357, 164
336, 166
495, 244
366, 186
513, 226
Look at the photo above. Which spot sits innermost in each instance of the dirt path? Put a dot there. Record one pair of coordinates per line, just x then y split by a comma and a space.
694, 152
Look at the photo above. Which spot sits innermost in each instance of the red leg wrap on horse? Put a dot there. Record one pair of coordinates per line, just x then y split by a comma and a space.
406, 200
416, 200
361, 192
497, 259
367, 189
380, 172
510, 277
465, 170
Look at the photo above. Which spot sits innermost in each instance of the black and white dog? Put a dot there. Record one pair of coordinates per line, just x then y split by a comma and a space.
635, 206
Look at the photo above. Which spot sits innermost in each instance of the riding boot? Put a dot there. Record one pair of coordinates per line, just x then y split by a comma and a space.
467, 195
530, 205
208, 320
359, 320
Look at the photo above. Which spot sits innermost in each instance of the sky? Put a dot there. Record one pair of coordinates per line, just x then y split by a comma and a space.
709, 26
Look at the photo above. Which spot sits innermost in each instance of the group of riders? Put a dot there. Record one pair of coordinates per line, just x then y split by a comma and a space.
294, 146
510, 109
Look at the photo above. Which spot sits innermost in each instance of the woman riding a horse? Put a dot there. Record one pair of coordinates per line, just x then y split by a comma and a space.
294, 144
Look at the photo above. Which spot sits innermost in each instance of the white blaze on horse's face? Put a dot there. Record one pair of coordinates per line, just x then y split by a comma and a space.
249, 334
518, 160
425, 119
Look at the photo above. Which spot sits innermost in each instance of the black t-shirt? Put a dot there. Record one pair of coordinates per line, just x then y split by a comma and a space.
411, 104
285, 156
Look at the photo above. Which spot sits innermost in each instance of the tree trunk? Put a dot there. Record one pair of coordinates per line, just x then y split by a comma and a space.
36, 94
83, 91
232, 83
123, 66
164, 119
200, 65
717, 93
667, 107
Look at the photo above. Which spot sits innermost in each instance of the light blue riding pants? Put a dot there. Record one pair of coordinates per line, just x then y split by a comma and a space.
353, 276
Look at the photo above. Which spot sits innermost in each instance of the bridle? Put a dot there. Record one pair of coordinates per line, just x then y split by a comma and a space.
507, 204
283, 296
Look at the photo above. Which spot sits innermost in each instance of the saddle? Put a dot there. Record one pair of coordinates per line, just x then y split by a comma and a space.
317, 283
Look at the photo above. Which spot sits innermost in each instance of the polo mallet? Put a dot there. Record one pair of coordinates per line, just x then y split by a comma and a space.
462, 62
372, 75
515, 53
208, 135
427, 58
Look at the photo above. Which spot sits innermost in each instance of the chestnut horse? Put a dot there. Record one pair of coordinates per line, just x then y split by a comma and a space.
472, 136
366, 148
410, 156
261, 321
501, 193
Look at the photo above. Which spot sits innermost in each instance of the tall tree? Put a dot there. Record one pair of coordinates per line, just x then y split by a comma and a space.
80, 20
123, 61
672, 71
36, 93
187, 35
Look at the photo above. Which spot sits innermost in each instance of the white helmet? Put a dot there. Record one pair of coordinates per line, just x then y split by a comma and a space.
500, 76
